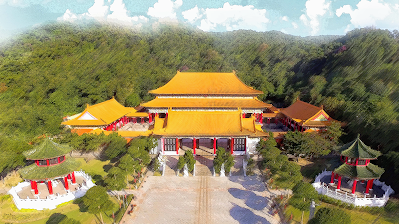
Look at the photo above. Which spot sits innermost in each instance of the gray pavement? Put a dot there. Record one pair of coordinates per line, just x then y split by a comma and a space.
202, 199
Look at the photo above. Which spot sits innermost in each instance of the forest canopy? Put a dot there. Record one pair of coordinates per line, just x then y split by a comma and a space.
55, 70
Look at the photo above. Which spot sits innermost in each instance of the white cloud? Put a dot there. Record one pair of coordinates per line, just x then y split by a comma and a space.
234, 17
294, 25
98, 11
315, 9
372, 13
284, 18
165, 9
101, 11
192, 15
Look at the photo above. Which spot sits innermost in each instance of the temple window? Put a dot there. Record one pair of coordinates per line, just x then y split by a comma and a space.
239, 144
53, 161
361, 162
42, 162
170, 144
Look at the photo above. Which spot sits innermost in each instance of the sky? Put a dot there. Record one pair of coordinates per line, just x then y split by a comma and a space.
296, 17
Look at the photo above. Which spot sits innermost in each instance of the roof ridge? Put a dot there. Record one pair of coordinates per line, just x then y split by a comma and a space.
309, 104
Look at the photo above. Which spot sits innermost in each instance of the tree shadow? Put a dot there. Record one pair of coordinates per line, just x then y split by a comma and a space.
251, 183
251, 199
244, 215
56, 218
107, 167
98, 179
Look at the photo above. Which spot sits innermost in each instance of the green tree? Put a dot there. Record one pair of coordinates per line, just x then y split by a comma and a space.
181, 163
304, 193
223, 157
116, 146
126, 163
116, 179
189, 160
97, 201
133, 100
331, 216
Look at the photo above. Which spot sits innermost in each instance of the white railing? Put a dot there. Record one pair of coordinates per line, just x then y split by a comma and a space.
322, 188
52, 201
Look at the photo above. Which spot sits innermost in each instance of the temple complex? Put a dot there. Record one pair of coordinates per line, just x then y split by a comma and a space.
51, 177
356, 180
200, 111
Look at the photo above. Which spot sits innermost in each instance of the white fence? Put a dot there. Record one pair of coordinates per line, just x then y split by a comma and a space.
50, 202
322, 188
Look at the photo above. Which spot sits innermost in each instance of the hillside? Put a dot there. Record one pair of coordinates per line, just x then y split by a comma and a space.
55, 70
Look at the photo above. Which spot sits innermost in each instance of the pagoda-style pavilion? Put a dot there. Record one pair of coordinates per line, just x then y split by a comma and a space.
356, 157
303, 116
50, 164
356, 180
51, 180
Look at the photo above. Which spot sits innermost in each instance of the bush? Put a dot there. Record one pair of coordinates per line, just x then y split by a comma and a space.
189, 160
304, 193
330, 216
223, 157
156, 165
180, 163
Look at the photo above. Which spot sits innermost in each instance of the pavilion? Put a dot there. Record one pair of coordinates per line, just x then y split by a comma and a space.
51, 179
356, 180
303, 116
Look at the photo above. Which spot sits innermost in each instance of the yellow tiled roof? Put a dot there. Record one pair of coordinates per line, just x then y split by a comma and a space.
204, 83
206, 103
137, 114
102, 113
205, 123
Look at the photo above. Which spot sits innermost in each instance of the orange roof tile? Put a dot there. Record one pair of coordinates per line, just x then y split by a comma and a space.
125, 134
206, 123
99, 114
301, 110
203, 83
206, 103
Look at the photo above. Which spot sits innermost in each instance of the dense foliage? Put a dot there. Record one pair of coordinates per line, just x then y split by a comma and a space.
97, 201
55, 70
304, 193
282, 173
313, 144
331, 216
223, 157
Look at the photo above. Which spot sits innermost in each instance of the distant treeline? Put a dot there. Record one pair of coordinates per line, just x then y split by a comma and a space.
55, 70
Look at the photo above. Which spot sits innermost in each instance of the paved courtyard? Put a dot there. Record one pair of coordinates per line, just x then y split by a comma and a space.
202, 199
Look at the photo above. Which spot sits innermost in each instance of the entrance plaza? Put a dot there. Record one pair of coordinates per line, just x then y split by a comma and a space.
203, 199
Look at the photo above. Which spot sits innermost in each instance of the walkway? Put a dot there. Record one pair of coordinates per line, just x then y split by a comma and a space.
202, 199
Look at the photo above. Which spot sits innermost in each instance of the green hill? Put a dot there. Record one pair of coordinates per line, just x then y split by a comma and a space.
55, 70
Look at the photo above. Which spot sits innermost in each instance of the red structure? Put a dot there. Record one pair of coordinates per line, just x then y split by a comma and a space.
356, 157
50, 164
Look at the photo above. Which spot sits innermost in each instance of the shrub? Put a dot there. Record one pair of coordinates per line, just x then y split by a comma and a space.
330, 216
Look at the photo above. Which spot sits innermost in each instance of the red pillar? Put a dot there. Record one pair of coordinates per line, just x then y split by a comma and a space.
368, 186
261, 117
166, 115
232, 146
48, 163
339, 183
142, 120
50, 187
37, 162
177, 146
354, 186
35, 185
73, 177
58, 159
243, 115
332, 177
149, 117
371, 184
66, 183
214, 145
194, 145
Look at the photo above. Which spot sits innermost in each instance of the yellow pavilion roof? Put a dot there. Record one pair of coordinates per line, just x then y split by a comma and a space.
206, 123
99, 114
206, 103
205, 83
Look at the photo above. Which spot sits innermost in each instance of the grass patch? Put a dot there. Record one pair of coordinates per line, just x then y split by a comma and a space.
93, 167
156, 173
357, 217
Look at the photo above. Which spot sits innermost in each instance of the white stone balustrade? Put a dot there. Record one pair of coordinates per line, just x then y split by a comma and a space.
52, 201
